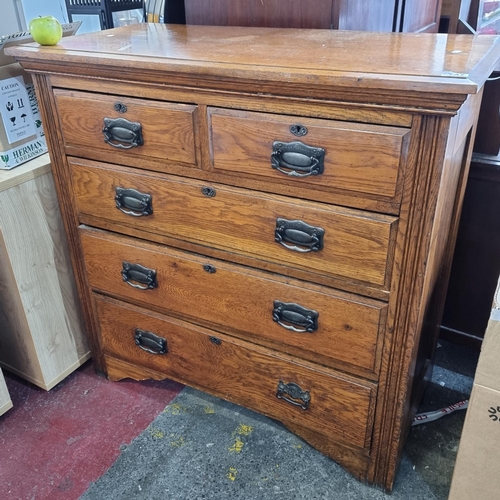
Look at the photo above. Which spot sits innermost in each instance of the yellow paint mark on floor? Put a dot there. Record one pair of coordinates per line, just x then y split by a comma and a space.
232, 473
157, 434
243, 430
208, 410
174, 409
237, 446
178, 443
297, 446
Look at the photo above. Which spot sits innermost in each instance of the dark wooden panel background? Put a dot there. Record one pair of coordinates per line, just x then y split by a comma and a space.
361, 15
269, 13
476, 262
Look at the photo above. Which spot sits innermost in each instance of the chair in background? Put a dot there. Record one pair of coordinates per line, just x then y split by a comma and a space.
165, 11
103, 9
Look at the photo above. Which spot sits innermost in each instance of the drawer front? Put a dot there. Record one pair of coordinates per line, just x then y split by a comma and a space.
324, 239
314, 323
319, 400
126, 130
312, 153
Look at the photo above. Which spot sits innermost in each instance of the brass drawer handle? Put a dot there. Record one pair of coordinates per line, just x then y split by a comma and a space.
302, 236
297, 159
297, 396
121, 133
290, 315
150, 342
132, 202
136, 273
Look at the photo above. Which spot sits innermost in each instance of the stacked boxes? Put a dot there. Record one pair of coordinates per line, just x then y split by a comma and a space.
21, 131
476, 475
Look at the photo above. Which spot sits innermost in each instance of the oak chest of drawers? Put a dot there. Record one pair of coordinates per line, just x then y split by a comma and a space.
267, 215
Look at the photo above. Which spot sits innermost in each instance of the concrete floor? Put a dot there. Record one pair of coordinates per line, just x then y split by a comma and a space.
201, 447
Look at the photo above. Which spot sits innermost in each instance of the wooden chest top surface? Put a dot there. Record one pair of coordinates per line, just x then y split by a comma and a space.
451, 63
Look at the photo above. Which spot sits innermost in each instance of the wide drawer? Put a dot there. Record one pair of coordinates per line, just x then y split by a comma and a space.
258, 378
310, 153
126, 130
316, 323
325, 239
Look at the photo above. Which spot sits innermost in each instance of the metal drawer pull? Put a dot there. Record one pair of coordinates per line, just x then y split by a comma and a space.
124, 133
150, 342
132, 202
302, 236
298, 397
140, 274
297, 159
288, 314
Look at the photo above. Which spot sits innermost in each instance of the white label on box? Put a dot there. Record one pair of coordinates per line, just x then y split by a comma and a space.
21, 154
15, 109
495, 314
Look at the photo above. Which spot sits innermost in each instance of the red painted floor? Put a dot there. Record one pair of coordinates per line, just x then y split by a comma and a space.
54, 444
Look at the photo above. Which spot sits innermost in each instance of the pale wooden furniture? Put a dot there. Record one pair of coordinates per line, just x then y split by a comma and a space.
41, 336
267, 215
5, 401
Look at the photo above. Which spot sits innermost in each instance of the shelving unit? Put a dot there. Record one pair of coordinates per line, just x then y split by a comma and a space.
41, 337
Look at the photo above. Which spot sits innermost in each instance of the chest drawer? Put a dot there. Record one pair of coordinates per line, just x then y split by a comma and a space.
126, 130
317, 399
310, 153
315, 323
309, 236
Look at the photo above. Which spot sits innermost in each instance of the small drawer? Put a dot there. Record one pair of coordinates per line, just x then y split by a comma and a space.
312, 237
311, 322
320, 400
309, 153
127, 130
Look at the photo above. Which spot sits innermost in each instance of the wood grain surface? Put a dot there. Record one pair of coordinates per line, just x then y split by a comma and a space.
241, 372
274, 13
357, 245
359, 158
240, 301
42, 338
421, 16
30, 170
443, 63
168, 129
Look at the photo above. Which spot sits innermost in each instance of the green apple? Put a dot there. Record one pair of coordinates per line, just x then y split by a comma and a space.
46, 30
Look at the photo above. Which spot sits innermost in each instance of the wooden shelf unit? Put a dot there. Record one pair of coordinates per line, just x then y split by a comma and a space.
41, 335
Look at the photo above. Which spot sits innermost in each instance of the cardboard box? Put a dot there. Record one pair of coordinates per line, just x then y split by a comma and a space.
477, 473
21, 132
